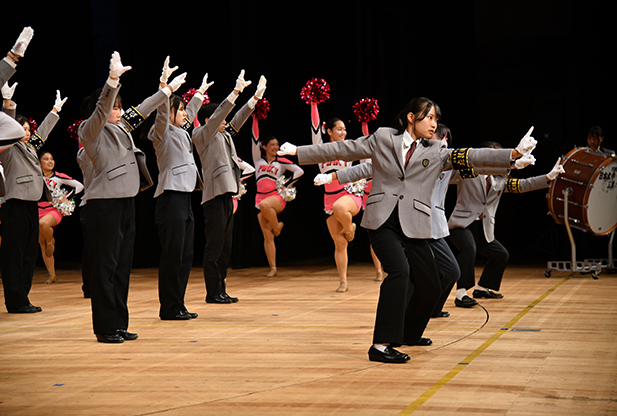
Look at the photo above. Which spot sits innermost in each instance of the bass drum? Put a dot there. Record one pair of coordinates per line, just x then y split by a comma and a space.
591, 179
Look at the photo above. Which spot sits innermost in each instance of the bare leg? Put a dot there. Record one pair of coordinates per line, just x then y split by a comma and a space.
270, 208
378, 268
344, 210
340, 251
46, 229
49, 262
269, 245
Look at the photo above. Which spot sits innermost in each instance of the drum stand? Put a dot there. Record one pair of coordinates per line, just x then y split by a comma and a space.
587, 266
608, 264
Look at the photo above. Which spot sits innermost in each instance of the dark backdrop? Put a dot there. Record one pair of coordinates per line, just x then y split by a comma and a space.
495, 69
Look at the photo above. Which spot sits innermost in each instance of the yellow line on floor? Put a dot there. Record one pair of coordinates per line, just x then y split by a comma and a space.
459, 367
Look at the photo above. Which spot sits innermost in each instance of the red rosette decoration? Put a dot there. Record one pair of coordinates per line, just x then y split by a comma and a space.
261, 109
187, 96
72, 129
316, 90
366, 110
33, 125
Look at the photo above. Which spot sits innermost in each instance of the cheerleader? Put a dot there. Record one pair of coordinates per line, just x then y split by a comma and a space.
341, 202
51, 213
269, 173
247, 172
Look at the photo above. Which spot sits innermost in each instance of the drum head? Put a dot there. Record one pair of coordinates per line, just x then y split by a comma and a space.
602, 203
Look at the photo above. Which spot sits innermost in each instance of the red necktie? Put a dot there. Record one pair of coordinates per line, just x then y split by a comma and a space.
410, 152
488, 183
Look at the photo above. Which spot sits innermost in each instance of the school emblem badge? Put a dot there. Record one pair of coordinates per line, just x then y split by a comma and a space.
425, 162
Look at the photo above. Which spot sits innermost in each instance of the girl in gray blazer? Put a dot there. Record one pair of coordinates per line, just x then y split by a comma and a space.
398, 214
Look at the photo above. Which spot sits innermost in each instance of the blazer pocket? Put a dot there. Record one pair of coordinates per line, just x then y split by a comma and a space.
461, 214
220, 171
115, 172
374, 198
179, 169
24, 179
422, 207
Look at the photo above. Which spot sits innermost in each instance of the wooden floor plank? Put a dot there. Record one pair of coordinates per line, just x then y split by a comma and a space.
293, 345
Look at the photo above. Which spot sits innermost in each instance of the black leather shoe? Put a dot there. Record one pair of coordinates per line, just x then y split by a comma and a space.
180, 316
466, 302
25, 309
218, 299
423, 342
127, 336
442, 314
109, 339
488, 294
226, 296
390, 355
191, 315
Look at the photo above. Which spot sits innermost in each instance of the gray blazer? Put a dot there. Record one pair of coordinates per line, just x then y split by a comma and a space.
23, 175
10, 130
174, 151
473, 201
219, 160
118, 167
410, 189
86, 171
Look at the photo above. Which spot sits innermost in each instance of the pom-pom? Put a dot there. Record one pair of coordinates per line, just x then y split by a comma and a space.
316, 90
366, 110
261, 109
187, 96
61, 203
72, 129
356, 188
288, 193
33, 125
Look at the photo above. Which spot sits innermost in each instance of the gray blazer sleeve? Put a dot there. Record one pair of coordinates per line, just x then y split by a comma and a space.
355, 173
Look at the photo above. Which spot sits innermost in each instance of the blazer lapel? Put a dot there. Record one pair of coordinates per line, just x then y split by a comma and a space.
397, 146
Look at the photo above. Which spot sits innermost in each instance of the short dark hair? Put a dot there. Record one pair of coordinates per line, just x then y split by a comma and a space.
419, 107
206, 111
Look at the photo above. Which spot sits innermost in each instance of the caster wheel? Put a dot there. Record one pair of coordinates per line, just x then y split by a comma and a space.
547, 273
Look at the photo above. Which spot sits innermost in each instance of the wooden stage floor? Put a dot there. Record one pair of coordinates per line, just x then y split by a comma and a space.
293, 346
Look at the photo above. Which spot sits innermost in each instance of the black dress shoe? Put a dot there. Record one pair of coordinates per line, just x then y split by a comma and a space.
423, 342
191, 315
109, 339
226, 296
25, 309
180, 316
127, 336
390, 355
488, 294
466, 302
442, 314
217, 299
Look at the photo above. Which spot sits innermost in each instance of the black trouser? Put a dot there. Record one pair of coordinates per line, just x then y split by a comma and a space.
408, 294
448, 268
110, 238
470, 241
218, 225
85, 271
19, 249
174, 218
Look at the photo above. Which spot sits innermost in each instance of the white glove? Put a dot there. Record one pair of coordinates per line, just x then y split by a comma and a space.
287, 149
527, 143
524, 161
241, 84
177, 81
204, 85
167, 71
557, 169
115, 66
322, 179
23, 41
59, 101
261, 88
7, 92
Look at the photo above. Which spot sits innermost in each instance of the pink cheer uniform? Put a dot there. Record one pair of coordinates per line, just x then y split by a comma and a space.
58, 180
